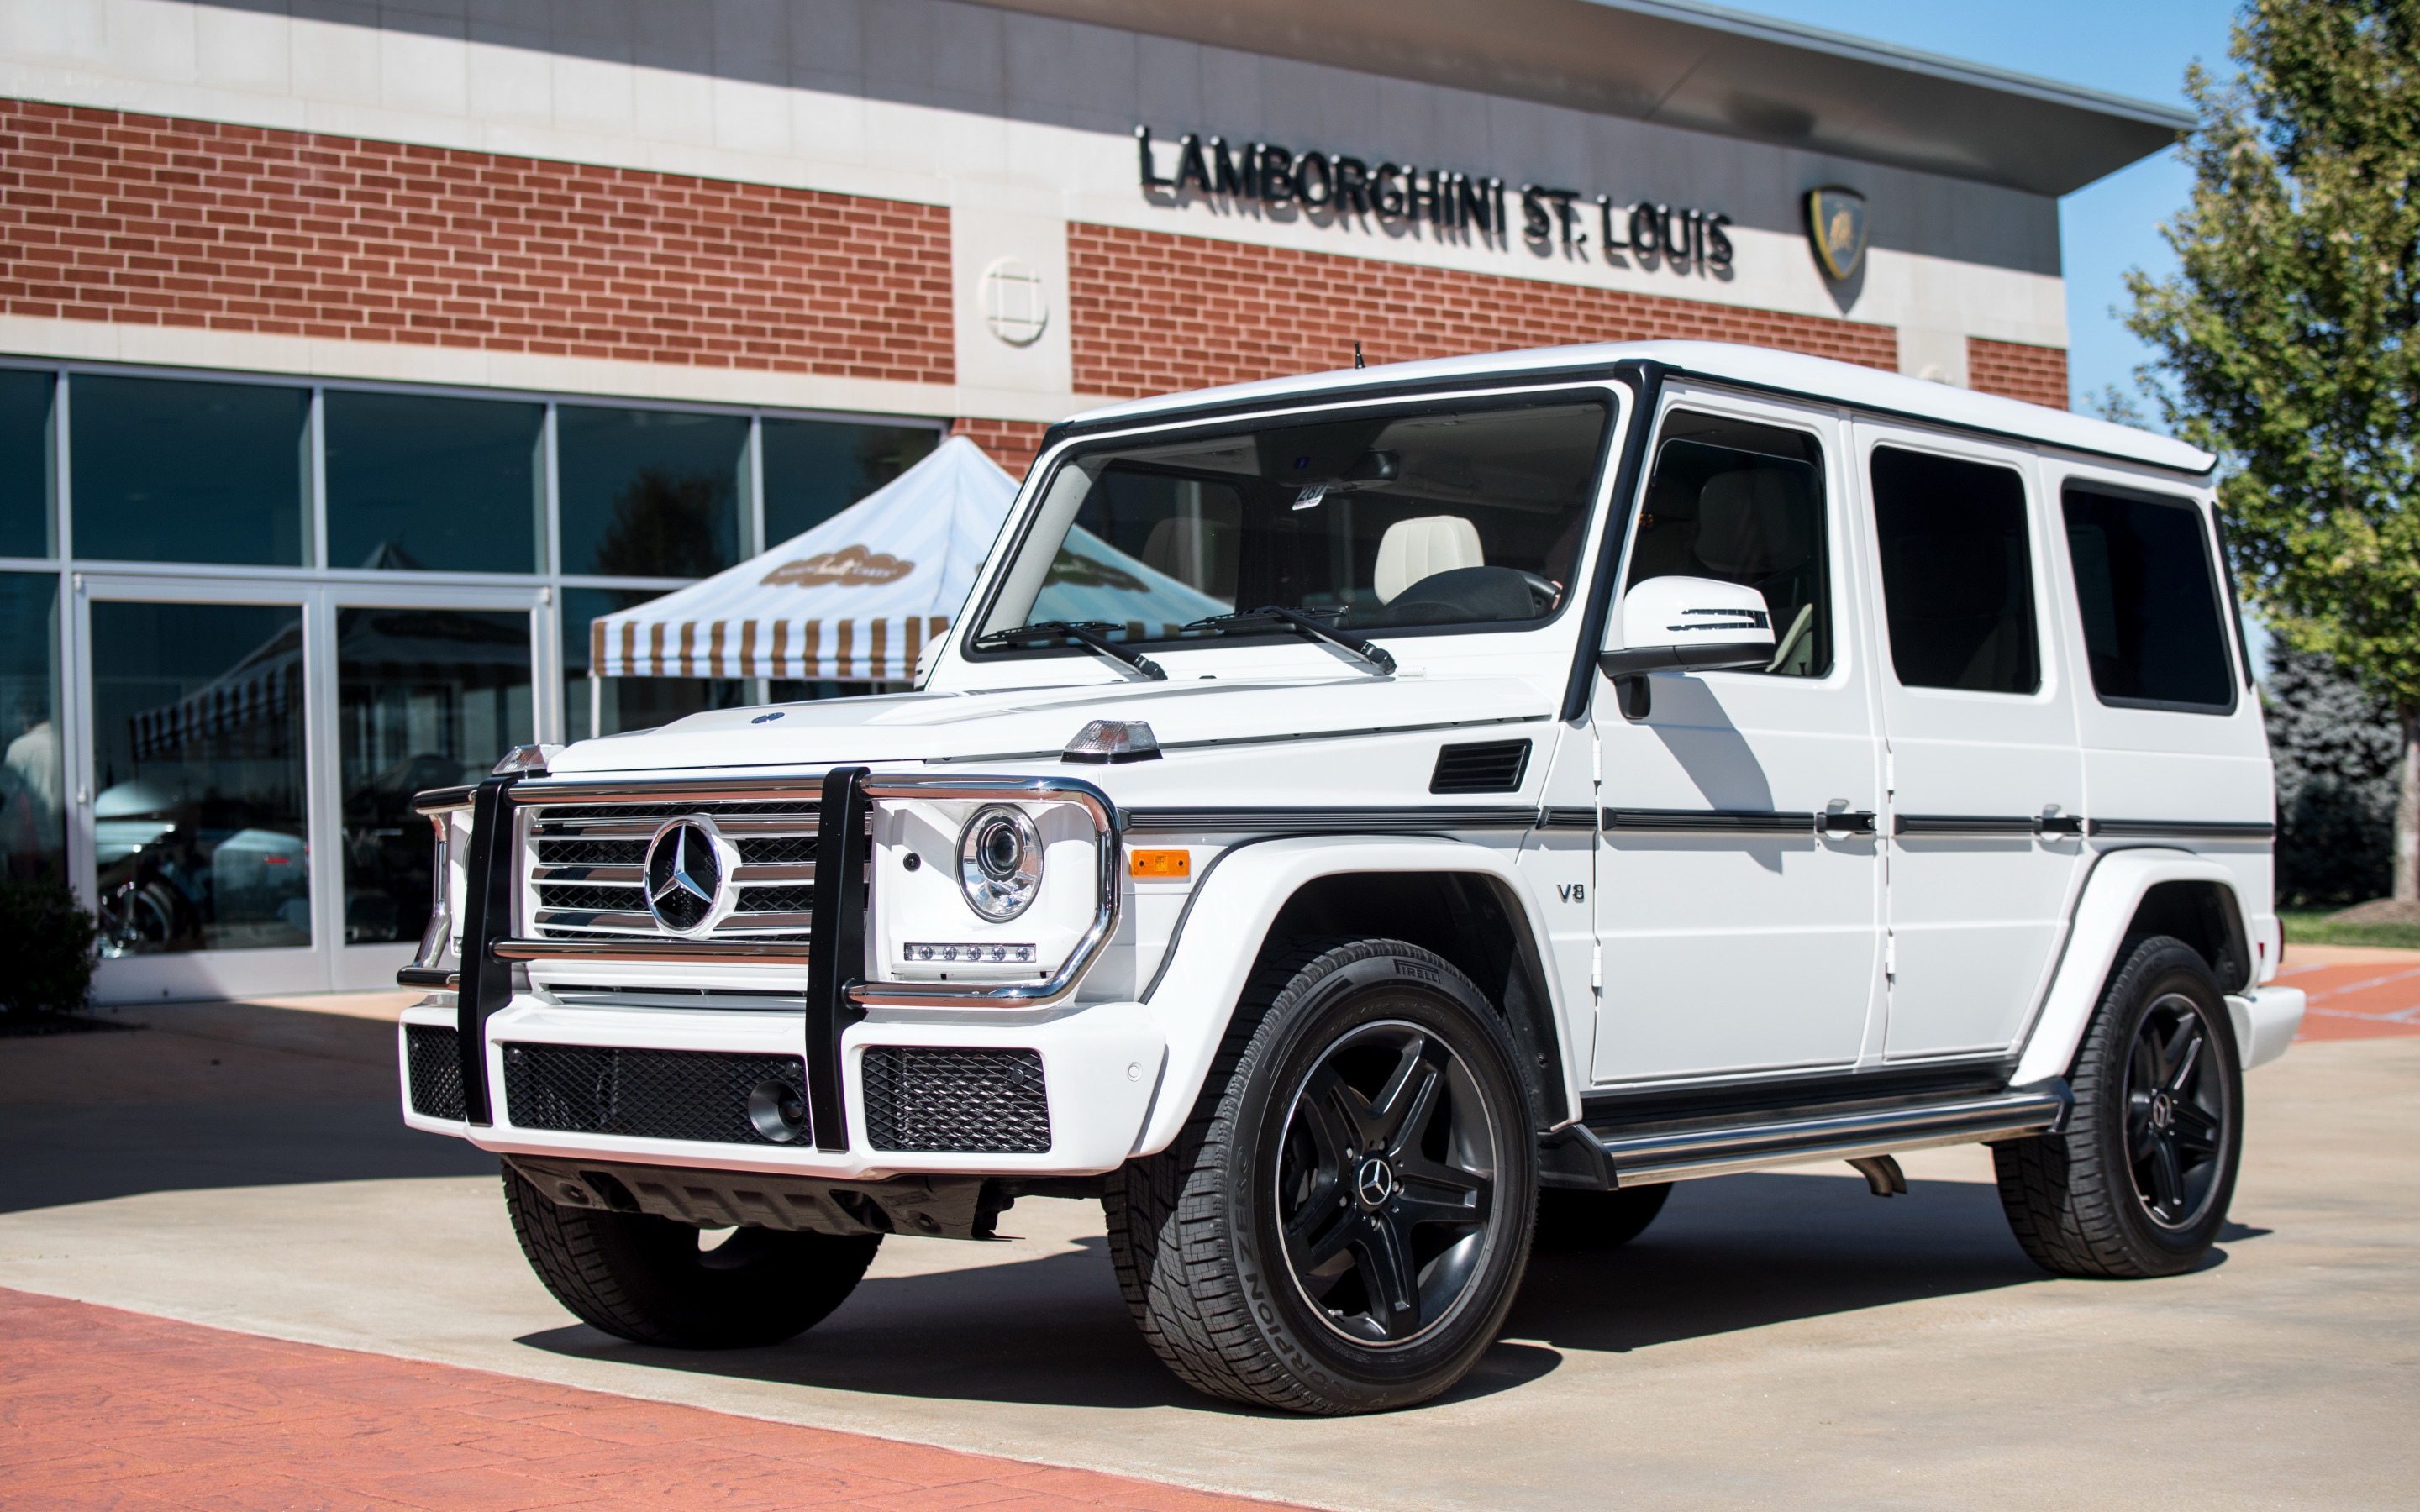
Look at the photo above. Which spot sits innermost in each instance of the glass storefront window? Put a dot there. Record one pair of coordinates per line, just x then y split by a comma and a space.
198, 777
170, 470
33, 783
26, 523
815, 469
425, 697
648, 493
423, 484
629, 703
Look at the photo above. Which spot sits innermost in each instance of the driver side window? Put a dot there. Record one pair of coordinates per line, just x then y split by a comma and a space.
1744, 503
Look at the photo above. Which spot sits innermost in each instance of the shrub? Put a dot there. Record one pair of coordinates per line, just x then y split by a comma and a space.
47, 949
2337, 748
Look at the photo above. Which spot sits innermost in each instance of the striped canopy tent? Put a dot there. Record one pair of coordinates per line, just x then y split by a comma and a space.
854, 600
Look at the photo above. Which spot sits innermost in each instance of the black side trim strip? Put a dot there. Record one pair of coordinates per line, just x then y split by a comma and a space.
2178, 829
1567, 819
1707, 822
1963, 823
1333, 821
487, 918
835, 949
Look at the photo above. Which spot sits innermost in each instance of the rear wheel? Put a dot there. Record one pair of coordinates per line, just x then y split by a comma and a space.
654, 1281
2139, 1182
1342, 1226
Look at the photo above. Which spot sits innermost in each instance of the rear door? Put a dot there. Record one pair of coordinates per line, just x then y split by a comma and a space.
1986, 781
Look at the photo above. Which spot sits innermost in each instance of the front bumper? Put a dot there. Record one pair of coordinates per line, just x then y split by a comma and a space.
1101, 1066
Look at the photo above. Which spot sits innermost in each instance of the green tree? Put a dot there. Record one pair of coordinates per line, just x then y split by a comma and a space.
2286, 340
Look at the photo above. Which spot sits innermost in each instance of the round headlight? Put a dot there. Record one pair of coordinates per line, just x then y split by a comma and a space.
1000, 862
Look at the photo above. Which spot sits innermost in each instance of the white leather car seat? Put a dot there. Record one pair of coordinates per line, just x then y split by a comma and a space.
1416, 549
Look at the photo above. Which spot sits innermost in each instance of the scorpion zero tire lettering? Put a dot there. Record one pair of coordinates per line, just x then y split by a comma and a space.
2138, 1184
1343, 1221
645, 1278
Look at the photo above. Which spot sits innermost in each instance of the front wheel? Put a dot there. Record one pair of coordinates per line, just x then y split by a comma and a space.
653, 1280
1343, 1224
2139, 1182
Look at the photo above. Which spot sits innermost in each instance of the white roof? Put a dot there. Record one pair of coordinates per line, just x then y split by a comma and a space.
1817, 377
855, 600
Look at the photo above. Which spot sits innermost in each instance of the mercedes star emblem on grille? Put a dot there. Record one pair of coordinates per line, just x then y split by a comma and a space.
684, 875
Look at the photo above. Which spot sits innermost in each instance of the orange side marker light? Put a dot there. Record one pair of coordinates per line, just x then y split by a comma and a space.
1161, 866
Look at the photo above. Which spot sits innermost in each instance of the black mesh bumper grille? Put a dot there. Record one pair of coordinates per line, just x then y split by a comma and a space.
435, 1064
649, 1094
975, 1101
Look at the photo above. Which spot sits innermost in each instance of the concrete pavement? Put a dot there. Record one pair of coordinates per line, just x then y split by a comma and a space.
1774, 1339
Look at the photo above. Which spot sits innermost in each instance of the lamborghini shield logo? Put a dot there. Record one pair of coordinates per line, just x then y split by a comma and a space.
1836, 223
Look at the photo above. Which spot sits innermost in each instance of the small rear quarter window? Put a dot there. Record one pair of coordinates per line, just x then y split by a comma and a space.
2154, 631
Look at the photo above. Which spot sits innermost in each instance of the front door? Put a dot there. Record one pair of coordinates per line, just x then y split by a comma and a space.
1986, 782
1739, 879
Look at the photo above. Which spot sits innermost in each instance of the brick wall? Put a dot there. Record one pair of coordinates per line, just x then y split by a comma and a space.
2015, 370
1010, 442
1150, 312
107, 216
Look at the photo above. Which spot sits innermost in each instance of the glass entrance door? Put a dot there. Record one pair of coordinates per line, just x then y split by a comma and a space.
193, 787
245, 762
427, 696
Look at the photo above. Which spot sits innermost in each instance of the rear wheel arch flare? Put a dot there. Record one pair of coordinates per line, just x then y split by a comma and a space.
1473, 919
2204, 914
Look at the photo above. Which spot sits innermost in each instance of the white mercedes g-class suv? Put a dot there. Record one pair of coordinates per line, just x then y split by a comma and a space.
1361, 819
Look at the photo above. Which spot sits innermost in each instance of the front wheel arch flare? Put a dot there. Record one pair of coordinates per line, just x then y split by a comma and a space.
1473, 920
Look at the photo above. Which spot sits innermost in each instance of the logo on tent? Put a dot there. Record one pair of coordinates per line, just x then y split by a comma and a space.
851, 566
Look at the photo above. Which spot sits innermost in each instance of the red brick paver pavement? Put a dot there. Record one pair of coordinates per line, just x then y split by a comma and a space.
101, 1408
2356, 1000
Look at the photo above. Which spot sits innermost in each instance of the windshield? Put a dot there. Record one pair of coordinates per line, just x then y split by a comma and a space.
1385, 521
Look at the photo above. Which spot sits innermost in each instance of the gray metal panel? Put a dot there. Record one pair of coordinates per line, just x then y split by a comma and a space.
1697, 68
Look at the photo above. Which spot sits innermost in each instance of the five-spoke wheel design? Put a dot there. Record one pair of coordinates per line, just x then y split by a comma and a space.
1385, 1182
2175, 1112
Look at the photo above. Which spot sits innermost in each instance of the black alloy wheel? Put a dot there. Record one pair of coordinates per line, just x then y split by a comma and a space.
2138, 1181
1385, 1184
2176, 1113
1342, 1223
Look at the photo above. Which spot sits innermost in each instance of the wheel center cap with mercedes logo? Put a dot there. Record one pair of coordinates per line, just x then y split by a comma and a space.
684, 875
1375, 1183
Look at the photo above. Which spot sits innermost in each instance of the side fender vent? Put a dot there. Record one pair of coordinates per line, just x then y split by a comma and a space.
1490, 766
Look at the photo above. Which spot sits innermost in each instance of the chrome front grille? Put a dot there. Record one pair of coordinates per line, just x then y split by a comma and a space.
588, 875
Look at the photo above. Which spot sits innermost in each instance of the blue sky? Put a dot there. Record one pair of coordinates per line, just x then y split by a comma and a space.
2127, 47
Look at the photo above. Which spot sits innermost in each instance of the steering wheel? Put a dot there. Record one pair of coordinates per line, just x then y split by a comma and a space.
1543, 596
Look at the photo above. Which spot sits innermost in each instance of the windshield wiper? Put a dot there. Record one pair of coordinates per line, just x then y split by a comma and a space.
1086, 634
1318, 629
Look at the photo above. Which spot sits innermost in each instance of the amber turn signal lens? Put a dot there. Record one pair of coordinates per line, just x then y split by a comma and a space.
1162, 865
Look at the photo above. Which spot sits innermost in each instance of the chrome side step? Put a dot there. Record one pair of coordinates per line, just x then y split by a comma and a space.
1643, 1157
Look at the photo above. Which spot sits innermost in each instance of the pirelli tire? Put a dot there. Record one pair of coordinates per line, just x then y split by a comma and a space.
2138, 1183
648, 1280
1344, 1220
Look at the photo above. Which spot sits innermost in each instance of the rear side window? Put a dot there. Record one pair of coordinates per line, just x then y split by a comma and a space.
2153, 630
1958, 581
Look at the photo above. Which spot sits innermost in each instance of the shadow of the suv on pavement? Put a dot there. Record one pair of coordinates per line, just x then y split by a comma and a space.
1728, 1255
